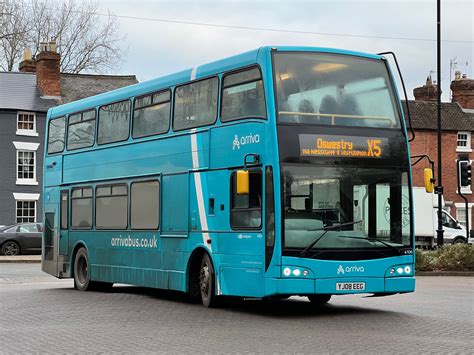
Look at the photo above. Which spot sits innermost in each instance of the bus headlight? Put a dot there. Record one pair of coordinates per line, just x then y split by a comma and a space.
400, 270
295, 271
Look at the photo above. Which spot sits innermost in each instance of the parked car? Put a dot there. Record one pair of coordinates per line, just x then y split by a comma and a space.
23, 238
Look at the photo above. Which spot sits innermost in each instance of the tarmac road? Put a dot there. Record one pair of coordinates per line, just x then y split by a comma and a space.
42, 314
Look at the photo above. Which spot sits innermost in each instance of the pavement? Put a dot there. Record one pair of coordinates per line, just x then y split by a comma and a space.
40, 313
20, 259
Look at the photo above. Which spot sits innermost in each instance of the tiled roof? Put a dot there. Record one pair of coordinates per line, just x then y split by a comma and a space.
78, 86
424, 115
18, 91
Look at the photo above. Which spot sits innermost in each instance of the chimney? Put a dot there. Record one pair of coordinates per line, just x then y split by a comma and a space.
27, 65
463, 90
427, 92
48, 76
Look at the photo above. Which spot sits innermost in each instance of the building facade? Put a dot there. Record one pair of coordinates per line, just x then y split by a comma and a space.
457, 122
25, 98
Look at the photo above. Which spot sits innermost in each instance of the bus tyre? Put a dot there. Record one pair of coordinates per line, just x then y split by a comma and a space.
82, 281
319, 300
207, 282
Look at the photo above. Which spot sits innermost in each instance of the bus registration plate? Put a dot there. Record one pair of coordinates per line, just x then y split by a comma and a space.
350, 286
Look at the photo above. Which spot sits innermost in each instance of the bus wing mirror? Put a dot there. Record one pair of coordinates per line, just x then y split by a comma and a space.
243, 182
428, 179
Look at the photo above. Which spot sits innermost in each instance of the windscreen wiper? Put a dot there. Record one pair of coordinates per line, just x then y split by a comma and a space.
325, 229
370, 240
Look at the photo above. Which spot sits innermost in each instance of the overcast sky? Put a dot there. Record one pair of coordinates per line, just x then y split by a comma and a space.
158, 48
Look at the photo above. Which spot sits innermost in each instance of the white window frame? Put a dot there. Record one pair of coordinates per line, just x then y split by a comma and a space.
462, 205
26, 147
16, 211
467, 148
20, 197
26, 132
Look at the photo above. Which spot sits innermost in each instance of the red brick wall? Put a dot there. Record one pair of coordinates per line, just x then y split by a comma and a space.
426, 142
463, 92
48, 76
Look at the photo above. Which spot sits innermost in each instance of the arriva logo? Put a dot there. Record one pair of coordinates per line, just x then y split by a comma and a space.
342, 270
244, 140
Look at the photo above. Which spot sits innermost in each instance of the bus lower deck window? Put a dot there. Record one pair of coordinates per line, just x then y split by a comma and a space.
246, 210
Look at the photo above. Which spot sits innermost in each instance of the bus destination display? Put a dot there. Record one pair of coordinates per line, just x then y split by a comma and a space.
322, 145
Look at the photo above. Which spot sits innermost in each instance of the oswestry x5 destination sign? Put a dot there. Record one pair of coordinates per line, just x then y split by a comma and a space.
322, 145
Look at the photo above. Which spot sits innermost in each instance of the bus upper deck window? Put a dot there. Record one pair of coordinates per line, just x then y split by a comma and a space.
56, 132
243, 96
114, 121
151, 114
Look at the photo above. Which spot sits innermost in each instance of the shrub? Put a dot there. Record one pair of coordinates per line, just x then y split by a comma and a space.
425, 260
457, 257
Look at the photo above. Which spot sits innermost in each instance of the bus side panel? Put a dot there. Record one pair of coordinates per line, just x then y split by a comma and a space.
53, 168
130, 257
230, 144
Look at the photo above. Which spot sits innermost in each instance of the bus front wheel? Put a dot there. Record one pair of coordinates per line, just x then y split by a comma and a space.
319, 300
207, 282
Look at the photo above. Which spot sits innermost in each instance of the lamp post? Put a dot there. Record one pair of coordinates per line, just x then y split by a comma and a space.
439, 188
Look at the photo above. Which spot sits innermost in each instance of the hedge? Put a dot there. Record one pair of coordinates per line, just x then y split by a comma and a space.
454, 257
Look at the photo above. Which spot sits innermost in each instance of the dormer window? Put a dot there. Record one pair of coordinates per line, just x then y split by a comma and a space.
26, 124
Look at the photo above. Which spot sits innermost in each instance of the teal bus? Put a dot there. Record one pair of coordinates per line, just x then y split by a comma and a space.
276, 172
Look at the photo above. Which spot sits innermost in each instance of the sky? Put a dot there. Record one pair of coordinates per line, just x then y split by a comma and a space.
157, 48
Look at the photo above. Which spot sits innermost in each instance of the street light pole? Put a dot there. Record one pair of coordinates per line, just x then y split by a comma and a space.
439, 188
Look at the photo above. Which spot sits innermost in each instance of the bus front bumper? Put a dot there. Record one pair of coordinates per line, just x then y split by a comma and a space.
377, 285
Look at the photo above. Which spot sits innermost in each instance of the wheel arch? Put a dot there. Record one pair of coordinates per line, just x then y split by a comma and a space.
79, 245
459, 237
194, 264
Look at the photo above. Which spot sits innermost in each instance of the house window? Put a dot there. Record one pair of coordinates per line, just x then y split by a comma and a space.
463, 142
25, 166
26, 163
461, 214
26, 124
25, 211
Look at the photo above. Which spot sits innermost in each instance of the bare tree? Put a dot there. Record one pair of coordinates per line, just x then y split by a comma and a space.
13, 34
87, 40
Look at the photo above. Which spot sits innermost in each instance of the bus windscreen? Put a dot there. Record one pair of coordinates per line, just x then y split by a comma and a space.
333, 89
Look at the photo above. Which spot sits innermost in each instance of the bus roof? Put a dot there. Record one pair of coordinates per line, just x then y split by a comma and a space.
233, 62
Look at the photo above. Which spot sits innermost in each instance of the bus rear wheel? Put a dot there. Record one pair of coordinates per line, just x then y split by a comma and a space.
319, 300
82, 279
207, 282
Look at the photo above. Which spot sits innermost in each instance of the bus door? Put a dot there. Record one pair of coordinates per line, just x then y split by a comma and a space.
64, 215
49, 262
243, 248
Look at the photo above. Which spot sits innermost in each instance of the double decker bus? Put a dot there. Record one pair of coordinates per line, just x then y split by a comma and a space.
277, 172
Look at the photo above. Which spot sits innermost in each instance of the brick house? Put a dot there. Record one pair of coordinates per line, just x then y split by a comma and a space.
25, 97
458, 124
